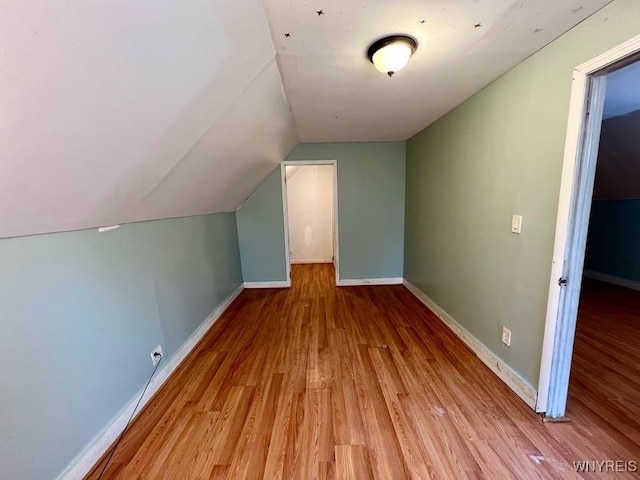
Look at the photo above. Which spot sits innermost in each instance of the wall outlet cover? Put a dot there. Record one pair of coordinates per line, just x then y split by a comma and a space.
156, 358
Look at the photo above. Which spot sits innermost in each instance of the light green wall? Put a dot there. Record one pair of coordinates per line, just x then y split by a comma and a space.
500, 153
371, 182
261, 233
80, 313
371, 178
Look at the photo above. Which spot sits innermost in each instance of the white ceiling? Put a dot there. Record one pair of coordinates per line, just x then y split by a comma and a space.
623, 91
336, 94
114, 111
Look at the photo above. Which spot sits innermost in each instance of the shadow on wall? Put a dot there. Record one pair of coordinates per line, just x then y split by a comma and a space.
613, 242
618, 166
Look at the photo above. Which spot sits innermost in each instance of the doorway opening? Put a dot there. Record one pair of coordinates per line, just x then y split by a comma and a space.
577, 205
309, 191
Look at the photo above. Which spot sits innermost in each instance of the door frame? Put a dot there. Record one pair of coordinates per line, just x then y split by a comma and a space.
285, 211
572, 222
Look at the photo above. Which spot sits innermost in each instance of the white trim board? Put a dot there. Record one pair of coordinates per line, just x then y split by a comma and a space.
353, 282
277, 284
98, 446
285, 221
509, 376
307, 262
309, 162
605, 277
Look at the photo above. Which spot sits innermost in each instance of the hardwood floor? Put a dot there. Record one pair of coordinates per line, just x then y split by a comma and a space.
322, 382
604, 389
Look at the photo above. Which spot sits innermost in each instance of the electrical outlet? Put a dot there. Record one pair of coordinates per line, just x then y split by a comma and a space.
154, 357
506, 336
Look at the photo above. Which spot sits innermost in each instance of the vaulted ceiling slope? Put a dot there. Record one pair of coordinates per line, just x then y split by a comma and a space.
115, 111
336, 94
120, 111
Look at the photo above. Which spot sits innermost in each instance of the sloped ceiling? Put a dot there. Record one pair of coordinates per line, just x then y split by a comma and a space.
337, 95
114, 111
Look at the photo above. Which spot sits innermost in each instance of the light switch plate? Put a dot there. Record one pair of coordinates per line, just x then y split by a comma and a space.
516, 224
506, 336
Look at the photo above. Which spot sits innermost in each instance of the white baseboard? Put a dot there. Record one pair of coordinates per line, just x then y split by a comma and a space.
96, 448
305, 262
278, 284
604, 277
509, 376
353, 282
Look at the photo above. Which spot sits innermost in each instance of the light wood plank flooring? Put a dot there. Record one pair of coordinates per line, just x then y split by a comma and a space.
349, 383
604, 390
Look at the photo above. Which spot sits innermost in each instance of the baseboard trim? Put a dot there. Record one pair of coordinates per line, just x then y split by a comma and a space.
353, 282
96, 448
278, 284
605, 277
509, 376
306, 262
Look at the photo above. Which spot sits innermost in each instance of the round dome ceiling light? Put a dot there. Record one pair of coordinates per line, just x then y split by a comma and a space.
391, 54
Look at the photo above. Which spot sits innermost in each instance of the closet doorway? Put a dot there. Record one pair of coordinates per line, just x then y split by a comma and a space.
310, 211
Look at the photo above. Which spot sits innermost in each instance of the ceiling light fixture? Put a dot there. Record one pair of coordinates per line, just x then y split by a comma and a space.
391, 54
